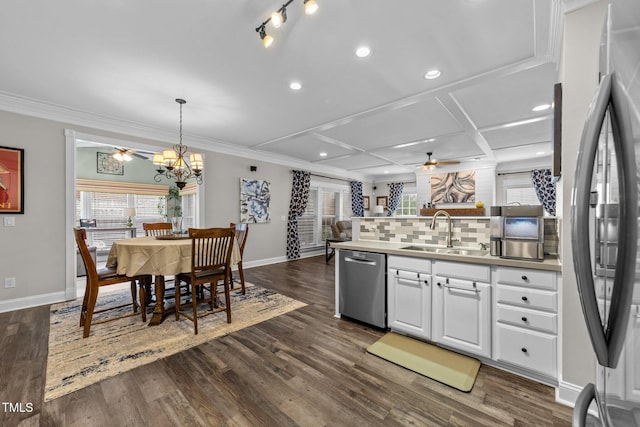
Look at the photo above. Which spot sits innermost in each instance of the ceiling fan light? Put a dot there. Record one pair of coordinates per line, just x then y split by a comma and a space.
429, 168
310, 7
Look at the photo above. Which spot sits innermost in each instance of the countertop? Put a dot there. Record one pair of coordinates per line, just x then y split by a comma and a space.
550, 263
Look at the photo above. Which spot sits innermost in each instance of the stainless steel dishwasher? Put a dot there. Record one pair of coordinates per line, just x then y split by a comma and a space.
363, 286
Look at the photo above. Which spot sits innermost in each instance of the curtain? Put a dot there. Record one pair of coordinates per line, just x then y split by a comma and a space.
357, 205
299, 198
395, 195
545, 189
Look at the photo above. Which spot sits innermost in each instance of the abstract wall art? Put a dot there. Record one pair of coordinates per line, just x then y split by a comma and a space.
255, 197
453, 187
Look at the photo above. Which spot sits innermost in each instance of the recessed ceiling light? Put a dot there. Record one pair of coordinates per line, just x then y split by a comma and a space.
323, 154
432, 74
539, 153
541, 107
295, 86
363, 52
386, 171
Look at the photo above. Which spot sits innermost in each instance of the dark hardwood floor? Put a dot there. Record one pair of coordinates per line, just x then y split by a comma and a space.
303, 368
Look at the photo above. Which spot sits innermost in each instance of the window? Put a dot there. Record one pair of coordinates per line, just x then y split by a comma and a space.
327, 204
408, 205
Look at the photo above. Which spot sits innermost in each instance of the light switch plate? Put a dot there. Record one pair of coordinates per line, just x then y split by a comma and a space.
9, 221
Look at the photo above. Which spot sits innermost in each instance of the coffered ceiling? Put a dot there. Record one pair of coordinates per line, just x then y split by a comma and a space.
118, 65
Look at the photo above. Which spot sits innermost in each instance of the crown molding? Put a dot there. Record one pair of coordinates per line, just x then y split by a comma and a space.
47, 111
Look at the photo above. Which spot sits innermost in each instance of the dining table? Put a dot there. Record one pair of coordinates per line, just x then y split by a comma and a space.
157, 256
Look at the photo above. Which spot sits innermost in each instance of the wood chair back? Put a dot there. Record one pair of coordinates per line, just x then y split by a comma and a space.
242, 231
211, 250
156, 228
97, 278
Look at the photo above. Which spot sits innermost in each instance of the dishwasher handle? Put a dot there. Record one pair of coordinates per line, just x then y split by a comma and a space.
361, 261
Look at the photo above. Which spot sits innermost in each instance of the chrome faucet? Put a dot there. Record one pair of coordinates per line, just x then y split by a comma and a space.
433, 225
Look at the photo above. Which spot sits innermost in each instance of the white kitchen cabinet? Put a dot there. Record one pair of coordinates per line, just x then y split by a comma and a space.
462, 307
409, 296
526, 319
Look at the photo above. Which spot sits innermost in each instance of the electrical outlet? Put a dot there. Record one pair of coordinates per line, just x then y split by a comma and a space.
9, 282
9, 221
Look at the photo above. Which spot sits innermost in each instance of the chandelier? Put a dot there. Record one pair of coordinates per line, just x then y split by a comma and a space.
172, 163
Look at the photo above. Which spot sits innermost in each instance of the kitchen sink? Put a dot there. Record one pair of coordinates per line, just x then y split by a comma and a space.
452, 251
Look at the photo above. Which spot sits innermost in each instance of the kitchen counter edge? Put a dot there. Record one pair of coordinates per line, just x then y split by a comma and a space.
550, 263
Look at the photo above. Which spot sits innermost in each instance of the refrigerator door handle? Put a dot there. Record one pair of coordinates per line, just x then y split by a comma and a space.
581, 407
580, 218
622, 294
607, 344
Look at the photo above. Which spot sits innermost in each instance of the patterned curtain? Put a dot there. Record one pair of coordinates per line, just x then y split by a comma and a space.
299, 198
545, 189
395, 195
357, 205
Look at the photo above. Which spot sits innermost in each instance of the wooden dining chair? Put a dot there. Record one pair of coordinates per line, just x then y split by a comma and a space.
242, 230
156, 228
98, 278
210, 262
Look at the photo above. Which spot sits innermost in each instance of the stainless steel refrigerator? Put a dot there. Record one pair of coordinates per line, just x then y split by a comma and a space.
604, 226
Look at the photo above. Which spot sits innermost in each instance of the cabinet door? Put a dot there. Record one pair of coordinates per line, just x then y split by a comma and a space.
409, 303
462, 315
632, 365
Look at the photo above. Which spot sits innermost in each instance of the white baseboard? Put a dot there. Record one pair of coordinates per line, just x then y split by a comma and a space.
567, 393
55, 297
32, 301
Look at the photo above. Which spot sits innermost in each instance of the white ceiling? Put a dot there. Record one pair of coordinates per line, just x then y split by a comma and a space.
119, 65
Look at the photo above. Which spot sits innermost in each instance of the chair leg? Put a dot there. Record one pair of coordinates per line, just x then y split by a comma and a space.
134, 295
194, 304
85, 302
143, 302
227, 297
91, 305
177, 296
241, 273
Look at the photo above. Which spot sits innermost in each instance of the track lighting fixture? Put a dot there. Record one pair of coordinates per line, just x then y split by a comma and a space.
279, 17
310, 7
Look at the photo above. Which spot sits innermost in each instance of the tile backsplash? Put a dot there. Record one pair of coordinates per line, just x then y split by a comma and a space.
468, 232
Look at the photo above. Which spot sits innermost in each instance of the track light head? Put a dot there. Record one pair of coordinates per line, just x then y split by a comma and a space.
267, 40
279, 17
310, 7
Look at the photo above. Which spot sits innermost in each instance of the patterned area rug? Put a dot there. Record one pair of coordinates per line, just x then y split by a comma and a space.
115, 347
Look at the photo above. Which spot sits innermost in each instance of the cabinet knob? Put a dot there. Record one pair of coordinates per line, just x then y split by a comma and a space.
439, 284
426, 283
525, 299
524, 319
525, 278
524, 350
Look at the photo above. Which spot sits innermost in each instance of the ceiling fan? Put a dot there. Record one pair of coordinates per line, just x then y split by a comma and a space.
431, 164
125, 154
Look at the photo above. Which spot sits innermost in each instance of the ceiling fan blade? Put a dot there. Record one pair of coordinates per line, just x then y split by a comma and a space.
447, 162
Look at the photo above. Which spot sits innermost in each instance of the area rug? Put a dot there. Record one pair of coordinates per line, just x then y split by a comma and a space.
442, 365
115, 347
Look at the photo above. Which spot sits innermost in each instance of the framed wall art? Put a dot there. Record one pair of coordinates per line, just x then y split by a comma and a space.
11, 180
108, 165
453, 187
255, 198
365, 202
382, 201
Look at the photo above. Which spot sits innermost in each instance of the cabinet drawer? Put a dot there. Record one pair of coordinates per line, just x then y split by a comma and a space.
409, 263
473, 272
530, 319
531, 350
526, 277
530, 298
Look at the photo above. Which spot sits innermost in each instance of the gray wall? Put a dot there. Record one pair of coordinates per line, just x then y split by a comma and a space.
136, 170
38, 239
